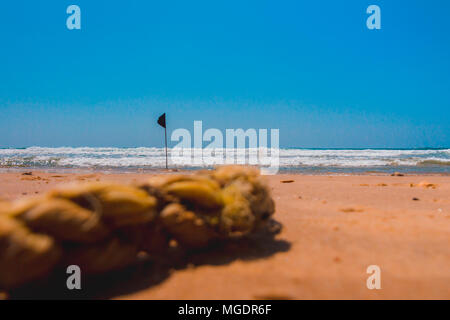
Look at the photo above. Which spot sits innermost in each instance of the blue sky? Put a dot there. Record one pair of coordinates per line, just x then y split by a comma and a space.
310, 68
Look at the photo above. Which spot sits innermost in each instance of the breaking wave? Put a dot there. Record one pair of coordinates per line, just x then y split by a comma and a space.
289, 159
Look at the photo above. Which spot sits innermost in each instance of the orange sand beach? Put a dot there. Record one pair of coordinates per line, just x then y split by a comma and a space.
335, 227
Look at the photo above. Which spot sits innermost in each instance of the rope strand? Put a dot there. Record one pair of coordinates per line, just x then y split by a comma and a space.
102, 227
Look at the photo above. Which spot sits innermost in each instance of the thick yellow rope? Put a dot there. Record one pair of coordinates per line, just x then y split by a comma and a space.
102, 227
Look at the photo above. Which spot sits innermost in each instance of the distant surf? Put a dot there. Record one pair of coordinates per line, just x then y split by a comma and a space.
291, 159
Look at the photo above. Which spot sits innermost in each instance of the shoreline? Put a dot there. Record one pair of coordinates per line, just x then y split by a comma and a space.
286, 161
306, 172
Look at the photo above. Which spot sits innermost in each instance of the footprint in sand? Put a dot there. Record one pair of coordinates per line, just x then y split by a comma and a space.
273, 296
424, 184
347, 210
31, 178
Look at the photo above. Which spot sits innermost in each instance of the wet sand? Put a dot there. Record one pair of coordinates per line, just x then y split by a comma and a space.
334, 228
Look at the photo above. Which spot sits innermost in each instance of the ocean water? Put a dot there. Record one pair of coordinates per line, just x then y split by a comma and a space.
292, 159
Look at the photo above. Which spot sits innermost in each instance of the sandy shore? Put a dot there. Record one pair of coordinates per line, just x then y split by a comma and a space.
334, 228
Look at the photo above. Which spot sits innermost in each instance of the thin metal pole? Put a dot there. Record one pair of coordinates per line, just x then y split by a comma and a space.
165, 134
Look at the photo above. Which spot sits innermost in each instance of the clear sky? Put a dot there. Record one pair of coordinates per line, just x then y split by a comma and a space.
310, 68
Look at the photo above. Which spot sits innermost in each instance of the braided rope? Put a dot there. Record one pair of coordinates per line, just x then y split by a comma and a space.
102, 227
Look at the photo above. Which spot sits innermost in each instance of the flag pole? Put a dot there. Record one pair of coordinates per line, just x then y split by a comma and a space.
162, 122
165, 134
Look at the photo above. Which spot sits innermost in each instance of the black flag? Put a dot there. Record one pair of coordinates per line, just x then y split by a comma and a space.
162, 120
162, 123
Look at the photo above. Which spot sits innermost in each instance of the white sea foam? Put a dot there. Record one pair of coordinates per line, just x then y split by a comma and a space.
86, 157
